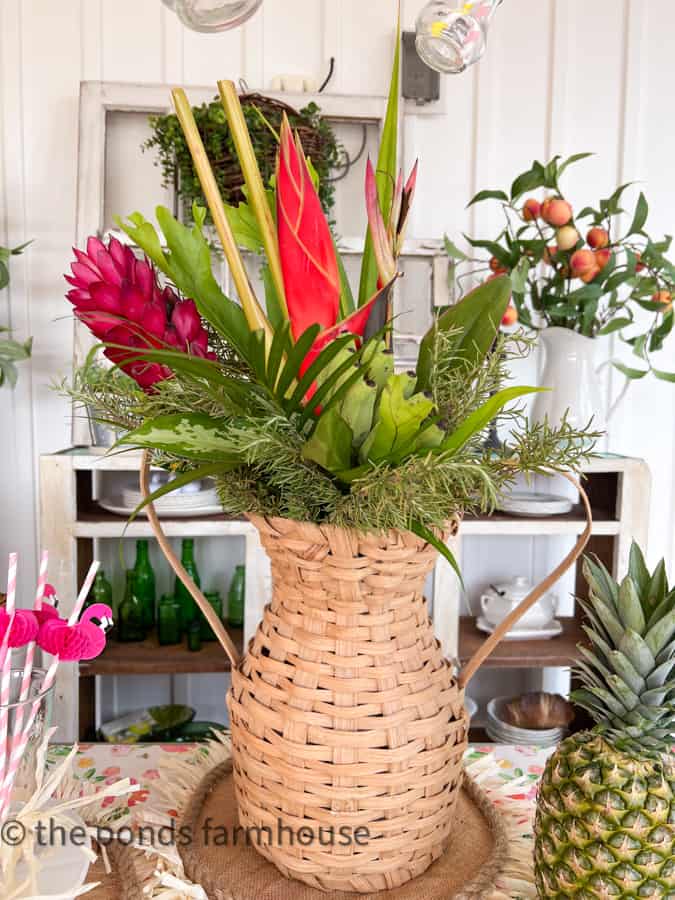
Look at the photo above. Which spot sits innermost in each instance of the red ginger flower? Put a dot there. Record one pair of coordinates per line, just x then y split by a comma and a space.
308, 258
119, 299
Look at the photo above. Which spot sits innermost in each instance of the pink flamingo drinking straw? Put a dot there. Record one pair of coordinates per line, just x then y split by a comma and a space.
30, 654
20, 745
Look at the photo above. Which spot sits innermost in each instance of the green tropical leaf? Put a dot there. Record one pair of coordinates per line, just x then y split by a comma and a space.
398, 421
347, 304
294, 403
664, 376
330, 446
480, 418
187, 263
195, 436
473, 322
385, 174
295, 359
427, 535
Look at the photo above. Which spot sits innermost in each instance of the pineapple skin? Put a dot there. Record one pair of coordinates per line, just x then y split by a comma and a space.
605, 823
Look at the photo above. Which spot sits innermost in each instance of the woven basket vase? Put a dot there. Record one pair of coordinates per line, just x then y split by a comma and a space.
348, 725
344, 712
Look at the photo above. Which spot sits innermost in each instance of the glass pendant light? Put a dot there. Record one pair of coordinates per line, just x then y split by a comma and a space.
210, 16
451, 36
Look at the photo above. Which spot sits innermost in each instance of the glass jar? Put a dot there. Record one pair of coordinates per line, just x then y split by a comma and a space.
194, 637
216, 604
451, 35
19, 713
144, 578
183, 596
131, 620
169, 629
236, 598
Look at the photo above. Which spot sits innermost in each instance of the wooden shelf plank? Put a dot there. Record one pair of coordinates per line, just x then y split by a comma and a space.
149, 658
560, 651
102, 524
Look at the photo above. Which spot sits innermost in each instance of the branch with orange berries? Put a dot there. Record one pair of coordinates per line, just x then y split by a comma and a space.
596, 272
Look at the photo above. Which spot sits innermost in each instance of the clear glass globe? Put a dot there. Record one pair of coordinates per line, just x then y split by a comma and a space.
451, 36
214, 15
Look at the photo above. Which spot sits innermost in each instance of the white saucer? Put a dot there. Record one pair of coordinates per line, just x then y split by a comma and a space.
522, 503
551, 630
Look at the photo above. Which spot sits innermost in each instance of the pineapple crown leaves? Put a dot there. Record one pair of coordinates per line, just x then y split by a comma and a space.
626, 671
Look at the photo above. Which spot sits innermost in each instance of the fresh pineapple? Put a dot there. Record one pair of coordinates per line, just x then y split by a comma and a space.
605, 824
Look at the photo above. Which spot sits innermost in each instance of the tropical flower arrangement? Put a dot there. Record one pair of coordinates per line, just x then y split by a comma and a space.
583, 271
296, 409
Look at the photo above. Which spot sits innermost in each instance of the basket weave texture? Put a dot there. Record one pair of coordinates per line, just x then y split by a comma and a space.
344, 712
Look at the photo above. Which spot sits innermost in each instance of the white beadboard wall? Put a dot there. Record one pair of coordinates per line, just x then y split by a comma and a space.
560, 76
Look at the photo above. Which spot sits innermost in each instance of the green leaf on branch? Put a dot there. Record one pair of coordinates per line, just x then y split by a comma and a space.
529, 181
615, 325
519, 276
453, 251
633, 374
664, 376
640, 216
576, 157
499, 252
488, 195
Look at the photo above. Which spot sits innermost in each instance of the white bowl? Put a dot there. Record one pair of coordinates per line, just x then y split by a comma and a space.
471, 707
515, 735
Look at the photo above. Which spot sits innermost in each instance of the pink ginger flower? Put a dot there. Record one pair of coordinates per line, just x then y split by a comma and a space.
119, 299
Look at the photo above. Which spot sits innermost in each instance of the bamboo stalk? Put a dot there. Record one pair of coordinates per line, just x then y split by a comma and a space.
254, 183
255, 316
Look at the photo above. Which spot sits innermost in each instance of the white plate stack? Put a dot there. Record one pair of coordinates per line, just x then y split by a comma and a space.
503, 733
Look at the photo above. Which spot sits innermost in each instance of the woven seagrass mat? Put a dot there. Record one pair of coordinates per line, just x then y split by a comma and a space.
473, 861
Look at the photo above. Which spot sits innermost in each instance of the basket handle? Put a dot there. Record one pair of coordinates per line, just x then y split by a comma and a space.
479, 657
219, 629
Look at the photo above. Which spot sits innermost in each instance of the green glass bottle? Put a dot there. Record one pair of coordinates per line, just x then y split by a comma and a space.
187, 604
216, 604
168, 621
194, 638
144, 578
131, 624
236, 598
101, 591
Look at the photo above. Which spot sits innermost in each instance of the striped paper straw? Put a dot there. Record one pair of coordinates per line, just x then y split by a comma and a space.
30, 656
7, 662
19, 747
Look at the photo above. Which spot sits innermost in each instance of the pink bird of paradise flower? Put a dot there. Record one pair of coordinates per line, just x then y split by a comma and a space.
84, 640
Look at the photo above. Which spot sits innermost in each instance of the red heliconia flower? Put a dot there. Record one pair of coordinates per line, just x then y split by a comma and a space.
308, 258
118, 298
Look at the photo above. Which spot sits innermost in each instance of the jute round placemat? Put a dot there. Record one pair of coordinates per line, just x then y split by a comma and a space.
234, 870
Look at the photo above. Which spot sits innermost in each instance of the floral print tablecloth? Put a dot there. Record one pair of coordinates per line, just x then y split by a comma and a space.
98, 764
